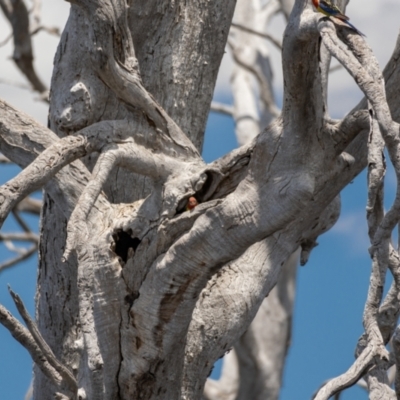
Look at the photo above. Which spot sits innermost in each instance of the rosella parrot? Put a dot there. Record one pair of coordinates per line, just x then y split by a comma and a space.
329, 9
192, 203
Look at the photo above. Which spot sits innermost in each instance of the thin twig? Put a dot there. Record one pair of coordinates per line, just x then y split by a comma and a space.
265, 92
15, 84
335, 68
29, 205
17, 14
24, 337
67, 375
21, 222
43, 96
23, 256
222, 108
52, 30
10, 246
20, 237
36, 15
267, 36
6, 40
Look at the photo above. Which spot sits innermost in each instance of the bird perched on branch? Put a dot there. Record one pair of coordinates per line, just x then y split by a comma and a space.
329, 9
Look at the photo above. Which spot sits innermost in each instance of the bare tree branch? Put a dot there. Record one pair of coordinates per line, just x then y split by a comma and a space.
226, 387
6, 40
21, 257
222, 108
52, 30
36, 13
335, 68
67, 376
17, 14
29, 205
15, 84
22, 237
265, 92
24, 337
276, 42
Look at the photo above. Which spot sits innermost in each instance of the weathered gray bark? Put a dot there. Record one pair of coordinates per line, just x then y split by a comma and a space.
137, 297
254, 367
174, 43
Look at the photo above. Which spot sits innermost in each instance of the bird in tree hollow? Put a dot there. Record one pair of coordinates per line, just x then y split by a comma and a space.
330, 10
192, 203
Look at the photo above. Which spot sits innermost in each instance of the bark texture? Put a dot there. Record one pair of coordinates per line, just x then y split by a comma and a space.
138, 295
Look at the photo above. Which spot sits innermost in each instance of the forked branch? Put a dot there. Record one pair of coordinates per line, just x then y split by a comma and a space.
40, 352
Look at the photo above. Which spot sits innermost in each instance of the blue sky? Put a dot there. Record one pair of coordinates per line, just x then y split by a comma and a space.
331, 288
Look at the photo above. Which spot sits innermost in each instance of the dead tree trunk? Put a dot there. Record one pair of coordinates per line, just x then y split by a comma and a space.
138, 297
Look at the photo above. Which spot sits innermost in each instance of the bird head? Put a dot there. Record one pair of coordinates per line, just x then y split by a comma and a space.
192, 203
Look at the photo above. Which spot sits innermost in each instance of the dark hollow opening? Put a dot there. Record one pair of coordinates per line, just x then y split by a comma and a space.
124, 242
